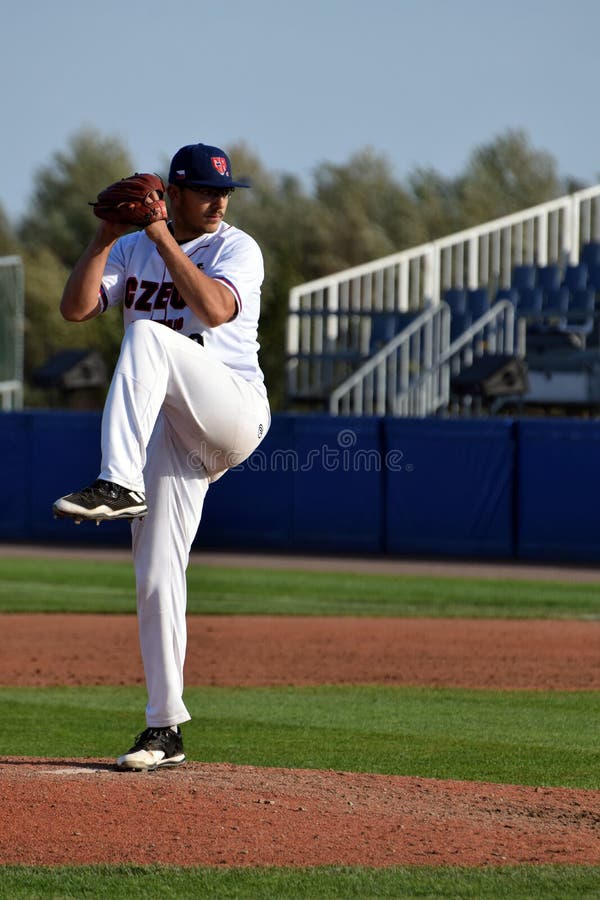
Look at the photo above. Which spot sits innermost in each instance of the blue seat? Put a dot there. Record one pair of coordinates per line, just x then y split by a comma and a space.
529, 308
478, 302
384, 326
575, 277
459, 323
549, 277
580, 313
594, 277
556, 302
530, 302
590, 254
524, 277
456, 298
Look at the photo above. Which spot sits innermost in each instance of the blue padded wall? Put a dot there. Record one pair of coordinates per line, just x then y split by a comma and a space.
559, 489
338, 485
313, 484
15, 468
249, 507
449, 487
65, 456
493, 488
55, 452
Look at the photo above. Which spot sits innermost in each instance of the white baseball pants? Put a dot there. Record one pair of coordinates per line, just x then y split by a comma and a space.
175, 419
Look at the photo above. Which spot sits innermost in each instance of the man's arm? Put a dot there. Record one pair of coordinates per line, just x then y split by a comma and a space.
211, 301
80, 296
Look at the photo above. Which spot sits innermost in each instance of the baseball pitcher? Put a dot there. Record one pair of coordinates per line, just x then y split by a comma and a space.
187, 399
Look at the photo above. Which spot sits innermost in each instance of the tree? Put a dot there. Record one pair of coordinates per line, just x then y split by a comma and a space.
501, 177
54, 232
46, 332
437, 202
59, 216
287, 224
368, 214
9, 242
505, 176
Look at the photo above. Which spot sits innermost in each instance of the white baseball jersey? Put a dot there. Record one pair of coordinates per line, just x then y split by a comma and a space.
137, 277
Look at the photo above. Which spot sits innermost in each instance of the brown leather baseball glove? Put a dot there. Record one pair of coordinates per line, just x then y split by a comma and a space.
136, 200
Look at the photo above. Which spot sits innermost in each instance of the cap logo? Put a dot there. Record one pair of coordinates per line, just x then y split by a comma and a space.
180, 173
220, 164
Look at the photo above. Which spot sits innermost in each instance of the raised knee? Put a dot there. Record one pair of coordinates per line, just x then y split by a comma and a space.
141, 326
142, 331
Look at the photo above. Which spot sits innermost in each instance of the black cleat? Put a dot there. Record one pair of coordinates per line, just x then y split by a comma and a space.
154, 748
101, 500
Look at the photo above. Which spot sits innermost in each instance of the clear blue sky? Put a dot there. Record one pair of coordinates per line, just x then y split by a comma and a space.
301, 83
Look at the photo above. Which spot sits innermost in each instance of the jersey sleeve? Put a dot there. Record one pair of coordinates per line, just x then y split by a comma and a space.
239, 267
112, 287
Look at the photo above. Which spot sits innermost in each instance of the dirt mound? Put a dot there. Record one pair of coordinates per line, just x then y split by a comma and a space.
81, 811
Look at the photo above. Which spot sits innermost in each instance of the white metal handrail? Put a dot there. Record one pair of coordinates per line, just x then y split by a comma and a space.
372, 388
493, 333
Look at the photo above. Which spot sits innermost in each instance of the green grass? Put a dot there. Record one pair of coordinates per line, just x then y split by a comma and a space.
28, 585
320, 883
513, 737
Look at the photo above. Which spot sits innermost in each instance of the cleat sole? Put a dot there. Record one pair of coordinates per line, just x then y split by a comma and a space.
78, 519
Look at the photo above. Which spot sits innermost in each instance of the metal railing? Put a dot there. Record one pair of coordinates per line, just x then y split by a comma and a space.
374, 387
496, 332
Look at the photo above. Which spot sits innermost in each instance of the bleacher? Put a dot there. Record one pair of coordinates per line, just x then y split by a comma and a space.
393, 337
553, 300
559, 309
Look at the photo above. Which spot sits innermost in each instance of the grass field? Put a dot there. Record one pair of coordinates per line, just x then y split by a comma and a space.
322, 883
522, 737
108, 587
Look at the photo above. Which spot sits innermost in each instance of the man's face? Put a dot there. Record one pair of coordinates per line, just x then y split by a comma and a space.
197, 210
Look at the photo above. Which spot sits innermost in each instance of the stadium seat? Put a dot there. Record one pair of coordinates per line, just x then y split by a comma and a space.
456, 298
384, 326
579, 318
555, 304
549, 277
509, 293
524, 277
575, 277
594, 277
590, 254
478, 302
530, 302
459, 324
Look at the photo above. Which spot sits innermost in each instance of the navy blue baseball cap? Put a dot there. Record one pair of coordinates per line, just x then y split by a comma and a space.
202, 165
